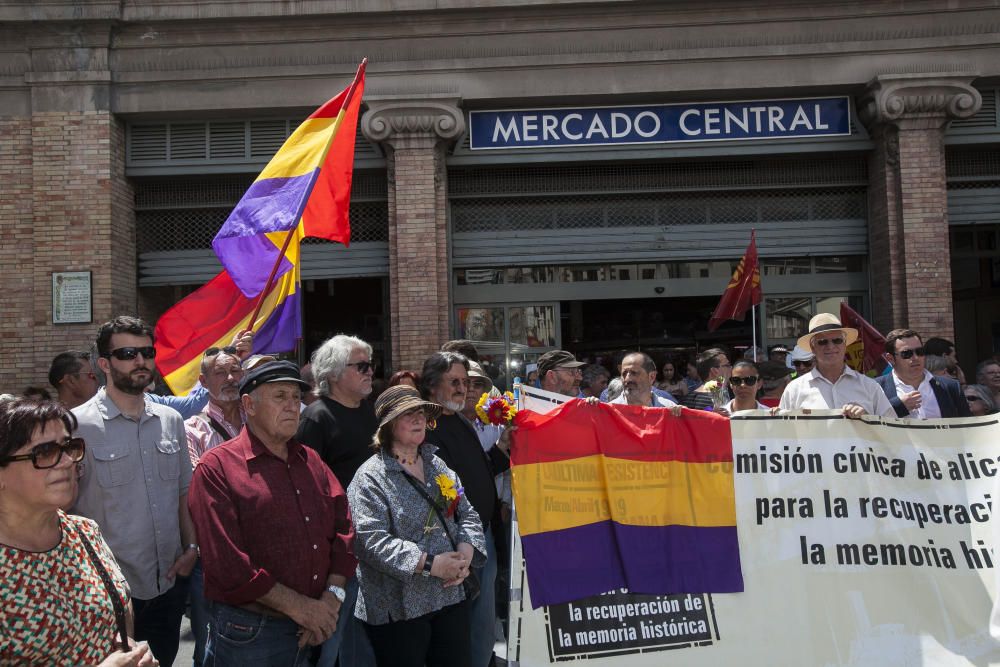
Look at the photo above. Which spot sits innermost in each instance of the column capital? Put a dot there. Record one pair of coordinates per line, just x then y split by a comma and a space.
391, 117
932, 99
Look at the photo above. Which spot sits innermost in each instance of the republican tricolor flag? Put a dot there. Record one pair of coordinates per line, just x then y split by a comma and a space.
613, 497
305, 190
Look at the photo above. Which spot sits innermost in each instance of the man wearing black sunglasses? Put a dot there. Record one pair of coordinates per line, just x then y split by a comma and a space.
135, 481
832, 384
911, 389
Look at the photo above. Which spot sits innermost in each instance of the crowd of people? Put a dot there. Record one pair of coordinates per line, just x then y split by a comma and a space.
304, 520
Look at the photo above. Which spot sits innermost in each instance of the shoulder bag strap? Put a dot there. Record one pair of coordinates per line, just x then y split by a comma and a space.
437, 510
109, 585
218, 428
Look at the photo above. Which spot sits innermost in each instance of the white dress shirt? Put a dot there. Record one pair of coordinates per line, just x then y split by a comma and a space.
929, 408
815, 392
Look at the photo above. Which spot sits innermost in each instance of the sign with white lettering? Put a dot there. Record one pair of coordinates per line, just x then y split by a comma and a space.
665, 123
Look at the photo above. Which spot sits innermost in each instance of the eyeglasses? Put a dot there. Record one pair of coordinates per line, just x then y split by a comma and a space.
749, 381
823, 342
48, 454
802, 363
459, 382
972, 399
212, 351
908, 354
130, 353
571, 371
363, 366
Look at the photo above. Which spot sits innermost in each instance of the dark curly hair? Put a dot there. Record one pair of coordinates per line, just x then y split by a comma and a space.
22, 417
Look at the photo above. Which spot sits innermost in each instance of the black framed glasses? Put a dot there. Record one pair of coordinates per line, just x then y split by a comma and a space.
363, 366
823, 342
972, 399
908, 354
749, 381
802, 363
130, 353
48, 454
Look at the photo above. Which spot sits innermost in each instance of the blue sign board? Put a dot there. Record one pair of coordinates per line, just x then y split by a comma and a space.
712, 121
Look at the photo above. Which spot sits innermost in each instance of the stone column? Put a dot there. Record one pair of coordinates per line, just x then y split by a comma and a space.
906, 115
416, 133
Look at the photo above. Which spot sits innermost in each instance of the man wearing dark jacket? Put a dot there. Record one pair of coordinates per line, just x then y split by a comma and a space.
445, 381
913, 392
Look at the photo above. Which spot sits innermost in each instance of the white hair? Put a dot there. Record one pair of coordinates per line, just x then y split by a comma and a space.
330, 360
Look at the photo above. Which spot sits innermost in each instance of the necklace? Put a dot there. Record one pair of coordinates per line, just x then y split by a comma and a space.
405, 461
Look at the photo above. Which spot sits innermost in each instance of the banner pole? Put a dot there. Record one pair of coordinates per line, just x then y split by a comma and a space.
754, 328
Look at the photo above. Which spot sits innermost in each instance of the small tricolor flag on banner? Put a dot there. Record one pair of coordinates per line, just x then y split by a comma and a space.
613, 497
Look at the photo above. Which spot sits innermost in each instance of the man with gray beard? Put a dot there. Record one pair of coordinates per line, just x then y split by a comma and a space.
445, 380
221, 420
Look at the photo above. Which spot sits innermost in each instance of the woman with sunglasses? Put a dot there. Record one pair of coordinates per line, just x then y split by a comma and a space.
980, 400
744, 384
57, 576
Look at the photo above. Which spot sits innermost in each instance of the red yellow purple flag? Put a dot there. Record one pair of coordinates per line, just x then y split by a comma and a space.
743, 290
613, 497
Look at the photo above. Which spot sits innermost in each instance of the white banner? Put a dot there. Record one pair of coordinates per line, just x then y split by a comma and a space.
862, 543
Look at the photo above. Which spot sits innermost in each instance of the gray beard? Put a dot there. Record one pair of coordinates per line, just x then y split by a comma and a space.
454, 407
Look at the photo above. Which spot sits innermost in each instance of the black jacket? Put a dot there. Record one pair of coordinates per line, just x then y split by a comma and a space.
948, 393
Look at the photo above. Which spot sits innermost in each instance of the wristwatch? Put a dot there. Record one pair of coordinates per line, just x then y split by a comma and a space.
195, 548
428, 563
338, 592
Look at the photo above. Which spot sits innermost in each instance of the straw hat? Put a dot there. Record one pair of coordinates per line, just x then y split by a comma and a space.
401, 398
823, 323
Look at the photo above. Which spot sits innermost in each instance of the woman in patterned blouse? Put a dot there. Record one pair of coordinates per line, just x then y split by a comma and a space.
411, 597
54, 606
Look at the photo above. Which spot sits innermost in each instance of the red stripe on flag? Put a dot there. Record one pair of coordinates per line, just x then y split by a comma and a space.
577, 429
198, 321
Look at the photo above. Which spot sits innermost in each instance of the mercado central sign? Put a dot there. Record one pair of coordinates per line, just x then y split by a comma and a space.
664, 123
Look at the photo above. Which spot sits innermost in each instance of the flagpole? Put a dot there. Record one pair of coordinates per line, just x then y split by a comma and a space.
291, 232
754, 327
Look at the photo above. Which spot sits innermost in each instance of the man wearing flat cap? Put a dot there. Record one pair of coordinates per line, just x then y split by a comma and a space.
560, 372
275, 531
831, 384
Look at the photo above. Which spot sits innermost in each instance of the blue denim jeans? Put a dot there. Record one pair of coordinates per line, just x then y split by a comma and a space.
242, 638
484, 614
199, 613
350, 641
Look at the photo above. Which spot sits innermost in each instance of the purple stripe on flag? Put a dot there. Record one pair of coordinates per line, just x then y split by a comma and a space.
270, 205
280, 331
566, 565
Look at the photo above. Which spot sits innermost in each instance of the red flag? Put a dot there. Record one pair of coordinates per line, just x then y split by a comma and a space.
743, 291
868, 359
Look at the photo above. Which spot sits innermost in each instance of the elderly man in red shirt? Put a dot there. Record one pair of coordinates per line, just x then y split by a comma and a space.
275, 531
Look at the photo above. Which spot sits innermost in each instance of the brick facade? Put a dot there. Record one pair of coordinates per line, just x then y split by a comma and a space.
70, 209
908, 198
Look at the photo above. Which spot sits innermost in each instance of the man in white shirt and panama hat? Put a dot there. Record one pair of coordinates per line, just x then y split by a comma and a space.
831, 384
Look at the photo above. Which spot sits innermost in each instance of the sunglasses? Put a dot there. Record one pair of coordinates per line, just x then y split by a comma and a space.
802, 363
972, 399
130, 353
363, 366
908, 354
212, 351
48, 454
749, 381
823, 342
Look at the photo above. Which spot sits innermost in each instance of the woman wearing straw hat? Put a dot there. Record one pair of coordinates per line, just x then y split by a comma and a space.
831, 384
417, 537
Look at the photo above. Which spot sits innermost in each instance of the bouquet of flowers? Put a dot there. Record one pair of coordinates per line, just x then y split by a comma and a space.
717, 388
447, 500
496, 410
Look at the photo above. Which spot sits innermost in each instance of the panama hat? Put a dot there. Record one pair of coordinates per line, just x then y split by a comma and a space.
823, 323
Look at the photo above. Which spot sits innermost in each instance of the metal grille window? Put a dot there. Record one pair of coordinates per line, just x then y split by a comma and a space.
973, 185
186, 213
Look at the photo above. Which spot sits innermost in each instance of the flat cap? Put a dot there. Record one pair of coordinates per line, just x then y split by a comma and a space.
272, 371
